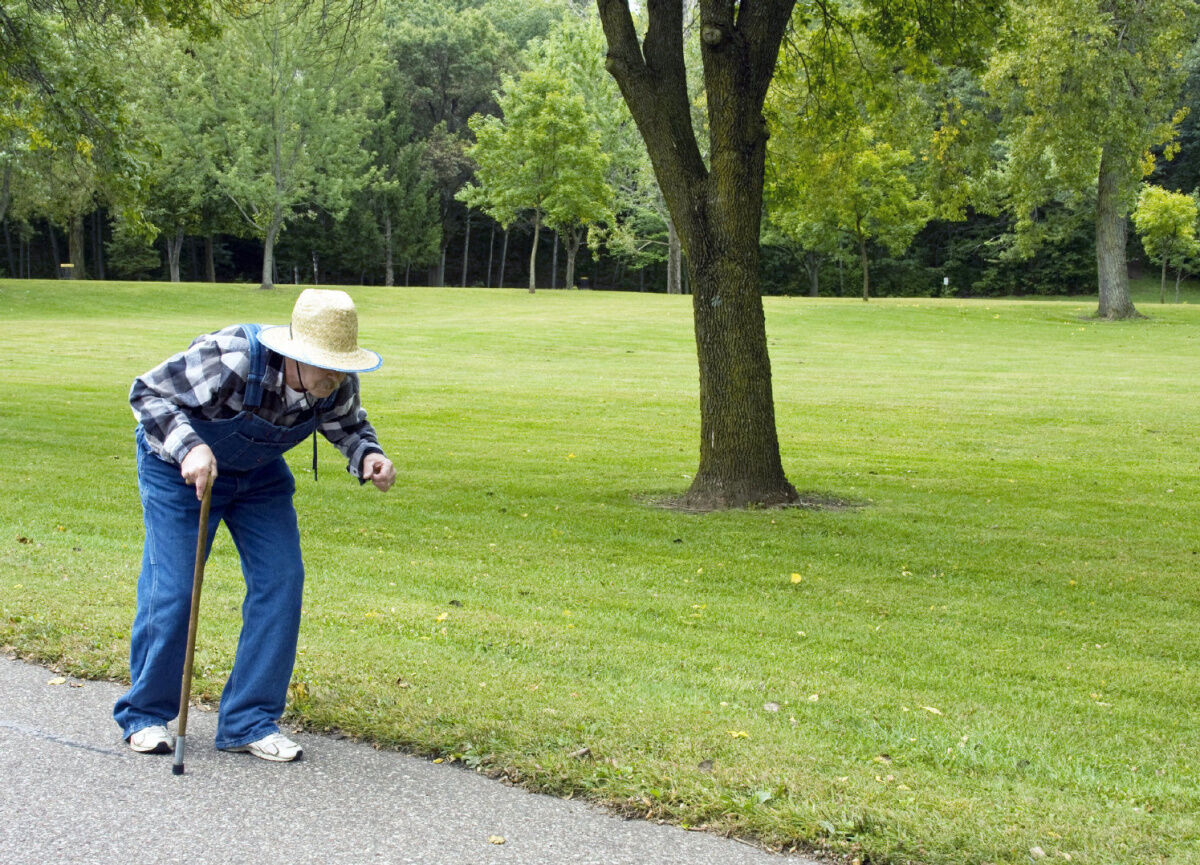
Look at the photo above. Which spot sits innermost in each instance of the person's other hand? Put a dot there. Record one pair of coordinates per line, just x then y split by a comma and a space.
379, 470
199, 468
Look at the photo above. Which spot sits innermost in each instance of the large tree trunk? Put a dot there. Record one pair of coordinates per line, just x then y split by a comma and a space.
717, 213
1111, 231
76, 246
174, 247
812, 264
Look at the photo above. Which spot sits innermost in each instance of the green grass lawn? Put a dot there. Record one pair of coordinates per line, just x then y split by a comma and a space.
994, 651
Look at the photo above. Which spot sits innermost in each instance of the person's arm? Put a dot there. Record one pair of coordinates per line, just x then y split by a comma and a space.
346, 426
192, 383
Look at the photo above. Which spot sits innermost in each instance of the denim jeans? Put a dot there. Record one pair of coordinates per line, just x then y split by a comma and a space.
256, 506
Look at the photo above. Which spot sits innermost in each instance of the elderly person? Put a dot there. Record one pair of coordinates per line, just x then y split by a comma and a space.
222, 413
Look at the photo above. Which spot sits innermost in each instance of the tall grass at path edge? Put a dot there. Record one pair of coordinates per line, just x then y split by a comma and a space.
988, 654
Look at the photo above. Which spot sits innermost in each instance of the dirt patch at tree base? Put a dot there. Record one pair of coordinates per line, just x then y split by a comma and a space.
807, 500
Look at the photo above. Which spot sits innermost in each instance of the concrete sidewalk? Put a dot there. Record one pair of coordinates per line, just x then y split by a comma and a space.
72, 792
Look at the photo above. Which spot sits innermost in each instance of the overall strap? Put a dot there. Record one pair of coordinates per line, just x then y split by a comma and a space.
258, 367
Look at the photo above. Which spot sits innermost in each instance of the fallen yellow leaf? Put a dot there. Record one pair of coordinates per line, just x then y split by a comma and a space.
61, 680
496, 839
797, 578
932, 710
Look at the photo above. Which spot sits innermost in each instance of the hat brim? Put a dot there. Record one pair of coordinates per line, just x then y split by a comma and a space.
278, 338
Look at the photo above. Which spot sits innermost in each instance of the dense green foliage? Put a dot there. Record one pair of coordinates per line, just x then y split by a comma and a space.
1166, 222
908, 147
988, 645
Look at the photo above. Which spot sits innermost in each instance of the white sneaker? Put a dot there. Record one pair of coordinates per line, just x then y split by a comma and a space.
275, 747
151, 740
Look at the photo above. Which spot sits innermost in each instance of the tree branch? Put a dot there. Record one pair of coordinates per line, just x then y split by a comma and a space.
653, 80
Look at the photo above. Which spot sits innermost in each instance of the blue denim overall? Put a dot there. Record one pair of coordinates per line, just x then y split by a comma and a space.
253, 495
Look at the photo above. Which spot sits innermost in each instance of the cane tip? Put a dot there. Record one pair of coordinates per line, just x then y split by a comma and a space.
177, 769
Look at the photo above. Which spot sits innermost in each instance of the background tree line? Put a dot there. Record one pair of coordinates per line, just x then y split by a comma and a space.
482, 142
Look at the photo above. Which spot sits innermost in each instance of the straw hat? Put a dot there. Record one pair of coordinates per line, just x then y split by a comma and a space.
323, 332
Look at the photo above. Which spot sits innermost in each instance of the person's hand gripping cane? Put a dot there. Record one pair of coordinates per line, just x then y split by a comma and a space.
199, 468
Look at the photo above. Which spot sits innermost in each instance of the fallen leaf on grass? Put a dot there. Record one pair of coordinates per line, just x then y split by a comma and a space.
931, 710
738, 734
797, 578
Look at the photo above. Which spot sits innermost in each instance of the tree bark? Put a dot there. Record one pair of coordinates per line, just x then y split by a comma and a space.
76, 246
717, 213
54, 250
1112, 228
812, 264
491, 253
674, 260
865, 263
503, 258
268, 268
1162, 283
574, 241
14, 269
389, 267
210, 264
537, 228
554, 266
98, 243
174, 247
466, 250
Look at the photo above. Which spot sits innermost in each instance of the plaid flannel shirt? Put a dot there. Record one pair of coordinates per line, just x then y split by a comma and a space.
208, 382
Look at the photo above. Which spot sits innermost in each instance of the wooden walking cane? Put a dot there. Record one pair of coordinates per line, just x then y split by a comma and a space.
185, 692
